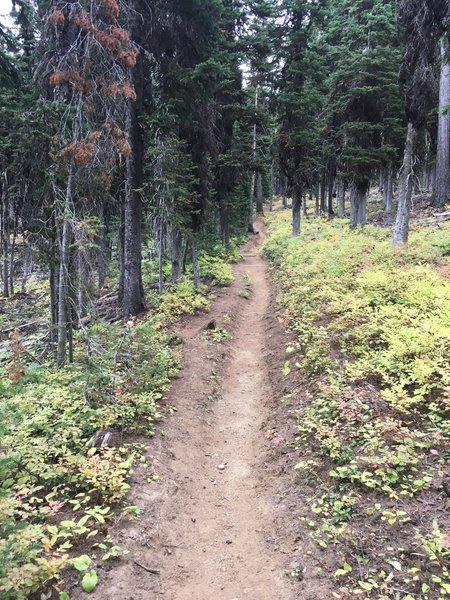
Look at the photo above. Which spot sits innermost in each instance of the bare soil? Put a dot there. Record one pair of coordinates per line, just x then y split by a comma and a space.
222, 521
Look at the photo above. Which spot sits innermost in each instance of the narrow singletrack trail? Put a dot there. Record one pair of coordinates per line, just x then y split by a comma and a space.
208, 523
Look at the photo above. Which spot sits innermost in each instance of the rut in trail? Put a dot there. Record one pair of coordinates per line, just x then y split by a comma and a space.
208, 524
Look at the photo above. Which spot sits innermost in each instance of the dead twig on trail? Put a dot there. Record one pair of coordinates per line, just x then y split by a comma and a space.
148, 569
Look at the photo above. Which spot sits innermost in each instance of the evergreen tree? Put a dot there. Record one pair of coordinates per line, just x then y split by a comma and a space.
89, 75
441, 191
260, 78
421, 27
300, 97
363, 105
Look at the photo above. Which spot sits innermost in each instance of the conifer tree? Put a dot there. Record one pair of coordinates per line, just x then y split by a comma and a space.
300, 97
421, 26
441, 190
259, 54
89, 75
363, 104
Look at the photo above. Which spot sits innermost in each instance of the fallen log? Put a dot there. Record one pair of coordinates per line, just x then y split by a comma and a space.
20, 327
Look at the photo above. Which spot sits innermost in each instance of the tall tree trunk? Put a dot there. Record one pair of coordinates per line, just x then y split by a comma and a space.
441, 192
5, 235
358, 207
401, 229
389, 193
224, 221
64, 308
254, 148
341, 201
54, 285
323, 194
296, 210
251, 228
285, 192
13, 252
103, 248
82, 281
121, 247
383, 176
133, 292
317, 199
330, 196
259, 195
161, 257
177, 254
272, 185
195, 263
63, 315
362, 208
352, 205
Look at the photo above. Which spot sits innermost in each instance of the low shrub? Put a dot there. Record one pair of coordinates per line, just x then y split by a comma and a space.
371, 330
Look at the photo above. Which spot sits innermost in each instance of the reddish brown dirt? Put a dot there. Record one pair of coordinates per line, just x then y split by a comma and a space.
219, 524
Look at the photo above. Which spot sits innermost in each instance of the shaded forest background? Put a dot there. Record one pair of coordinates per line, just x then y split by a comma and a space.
141, 129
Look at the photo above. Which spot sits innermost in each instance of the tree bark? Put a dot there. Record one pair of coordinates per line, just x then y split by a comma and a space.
80, 290
224, 221
285, 192
323, 194
441, 192
13, 250
272, 185
296, 210
259, 195
330, 196
63, 278
103, 248
53, 301
318, 199
389, 193
254, 148
362, 208
341, 201
353, 206
133, 293
161, 258
383, 186
358, 207
4, 222
251, 228
195, 263
401, 229
177, 254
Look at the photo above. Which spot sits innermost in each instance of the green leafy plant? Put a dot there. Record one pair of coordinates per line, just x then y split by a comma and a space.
371, 335
89, 582
217, 334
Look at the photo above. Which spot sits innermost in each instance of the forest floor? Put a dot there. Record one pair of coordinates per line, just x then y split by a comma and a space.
302, 451
219, 513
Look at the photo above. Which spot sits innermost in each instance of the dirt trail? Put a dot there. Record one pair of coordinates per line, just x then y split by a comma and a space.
208, 523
